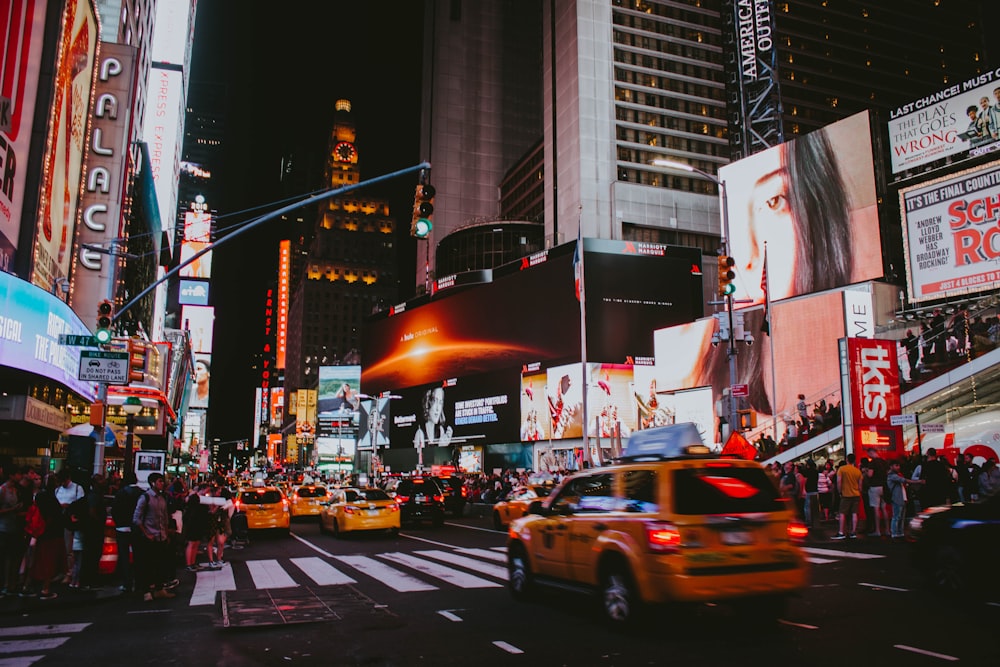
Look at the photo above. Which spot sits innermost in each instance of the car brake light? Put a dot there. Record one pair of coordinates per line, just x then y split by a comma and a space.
238, 506
348, 509
663, 538
402, 499
439, 499
284, 504
465, 492
797, 531
393, 507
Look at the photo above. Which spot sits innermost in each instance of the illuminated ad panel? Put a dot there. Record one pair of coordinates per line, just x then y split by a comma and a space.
64, 147
260, 410
337, 399
812, 202
535, 422
104, 175
193, 292
873, 380
174, 31
806, 332
657, 407
951, 233
202, 380
609, 400
200, 321
31, 321
23, 34
276, 407
161, 130
373, 423
564, 400
952, 121
197, 237
457, 412
284, 264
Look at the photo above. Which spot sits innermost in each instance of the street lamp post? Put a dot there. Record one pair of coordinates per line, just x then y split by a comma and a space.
731, 343
132, 407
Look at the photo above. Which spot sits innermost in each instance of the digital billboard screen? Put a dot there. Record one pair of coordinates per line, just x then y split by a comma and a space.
811, 203
337, 400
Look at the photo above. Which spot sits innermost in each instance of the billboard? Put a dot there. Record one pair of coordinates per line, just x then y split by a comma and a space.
872, 381
202, 380
811, 204
963, 119
193, 292
950, 233
200, 321
337, 399
374, 417
23, 35
284, 275
529, 312
105, 179
162, 126
67, 130
31, 321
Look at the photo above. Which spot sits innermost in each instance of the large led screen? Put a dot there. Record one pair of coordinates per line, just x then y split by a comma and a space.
950, 233
472, 410
338, 400
805, 357
529, 313
200, 321
810, 204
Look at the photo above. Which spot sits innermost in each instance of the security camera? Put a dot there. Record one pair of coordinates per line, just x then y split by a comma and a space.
748, 339
715, 340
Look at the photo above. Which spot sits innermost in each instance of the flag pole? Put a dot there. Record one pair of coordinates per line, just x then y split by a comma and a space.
583, 339
770, 342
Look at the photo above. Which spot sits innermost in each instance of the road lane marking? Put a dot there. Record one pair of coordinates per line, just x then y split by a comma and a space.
798, 625
208, 582
484, 553
913, 649
22, 661
450, 616
485, 530
821, 561
469, 563
510, 648
269, 574
400, 581
322, 572
840, 554
884, 588
20, 646
312, 546
43, 629
438, 571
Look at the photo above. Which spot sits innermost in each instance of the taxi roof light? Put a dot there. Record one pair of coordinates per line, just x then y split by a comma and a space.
674, 441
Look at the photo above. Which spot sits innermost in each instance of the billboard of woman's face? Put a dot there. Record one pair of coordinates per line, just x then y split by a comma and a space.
811, 203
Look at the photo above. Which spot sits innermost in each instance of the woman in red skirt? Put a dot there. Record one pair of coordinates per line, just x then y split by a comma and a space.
49, 550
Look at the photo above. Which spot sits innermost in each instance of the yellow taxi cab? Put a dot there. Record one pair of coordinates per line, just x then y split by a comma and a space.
359, 509
265, 507
308, 499
671, 522
516, 503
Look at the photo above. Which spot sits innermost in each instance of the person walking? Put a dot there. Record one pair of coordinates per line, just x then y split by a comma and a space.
880, 511
67, 493
49, 548
849, 487
152, 542
122, 511
896, 483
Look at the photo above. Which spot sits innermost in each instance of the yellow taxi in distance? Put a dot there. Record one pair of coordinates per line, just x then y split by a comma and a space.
669, 523
359, 509
516, 503
265, 507
308, 499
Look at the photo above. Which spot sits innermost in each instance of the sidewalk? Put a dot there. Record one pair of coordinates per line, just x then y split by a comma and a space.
67, 598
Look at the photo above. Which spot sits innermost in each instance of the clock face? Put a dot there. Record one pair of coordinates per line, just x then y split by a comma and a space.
345, 152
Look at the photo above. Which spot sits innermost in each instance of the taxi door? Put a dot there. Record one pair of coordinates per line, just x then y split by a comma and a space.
594, 514
550, 534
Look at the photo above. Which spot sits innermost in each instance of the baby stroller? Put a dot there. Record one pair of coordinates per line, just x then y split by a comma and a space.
241, 531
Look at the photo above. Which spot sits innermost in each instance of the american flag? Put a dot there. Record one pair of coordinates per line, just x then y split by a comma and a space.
765, 326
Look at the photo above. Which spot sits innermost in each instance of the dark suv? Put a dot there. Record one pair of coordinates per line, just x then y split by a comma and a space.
454, 494
420, 499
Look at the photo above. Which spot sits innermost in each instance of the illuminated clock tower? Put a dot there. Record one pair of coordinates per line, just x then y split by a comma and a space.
342, 160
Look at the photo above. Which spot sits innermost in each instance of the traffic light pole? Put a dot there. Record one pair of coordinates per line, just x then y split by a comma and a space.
731, 352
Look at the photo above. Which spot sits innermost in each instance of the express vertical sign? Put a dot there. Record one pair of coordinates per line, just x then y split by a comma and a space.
873, 375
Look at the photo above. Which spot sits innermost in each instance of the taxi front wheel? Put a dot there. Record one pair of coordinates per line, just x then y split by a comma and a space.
519, 580
619, 597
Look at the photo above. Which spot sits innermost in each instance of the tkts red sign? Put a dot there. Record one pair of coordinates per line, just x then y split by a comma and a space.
874, 383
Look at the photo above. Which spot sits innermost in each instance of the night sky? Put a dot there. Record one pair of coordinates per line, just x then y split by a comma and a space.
283, 67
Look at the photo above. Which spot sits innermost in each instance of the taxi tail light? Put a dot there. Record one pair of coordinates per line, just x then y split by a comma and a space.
393, 507
797, 531
284, 504
438, 498
663, 538
401, 500
350, 509
237, 506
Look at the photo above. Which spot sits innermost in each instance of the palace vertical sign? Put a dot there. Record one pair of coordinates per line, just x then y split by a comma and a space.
873, 375
284, 263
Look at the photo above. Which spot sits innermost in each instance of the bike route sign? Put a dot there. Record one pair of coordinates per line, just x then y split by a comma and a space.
103, 366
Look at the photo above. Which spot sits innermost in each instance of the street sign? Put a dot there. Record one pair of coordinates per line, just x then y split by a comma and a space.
101, 366
78, 341
741, 390
932, 428
903, 420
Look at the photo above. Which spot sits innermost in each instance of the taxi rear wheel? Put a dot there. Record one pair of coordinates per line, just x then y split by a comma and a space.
497, 521
949, 574
336, 530
519, 578
620, 601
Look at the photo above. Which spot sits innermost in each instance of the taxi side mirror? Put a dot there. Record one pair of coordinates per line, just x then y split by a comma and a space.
536, 508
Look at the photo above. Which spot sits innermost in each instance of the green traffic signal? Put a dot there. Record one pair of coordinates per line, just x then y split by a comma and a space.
103, 336
422, 228
103, 332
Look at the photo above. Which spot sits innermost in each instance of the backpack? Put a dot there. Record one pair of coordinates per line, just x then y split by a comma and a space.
76, 513
123, 507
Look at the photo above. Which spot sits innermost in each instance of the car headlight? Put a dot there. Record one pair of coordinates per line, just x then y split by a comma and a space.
917, 522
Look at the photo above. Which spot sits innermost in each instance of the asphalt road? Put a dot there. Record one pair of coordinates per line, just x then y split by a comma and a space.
436, 596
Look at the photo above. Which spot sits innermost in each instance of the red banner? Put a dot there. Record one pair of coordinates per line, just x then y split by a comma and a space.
874, 382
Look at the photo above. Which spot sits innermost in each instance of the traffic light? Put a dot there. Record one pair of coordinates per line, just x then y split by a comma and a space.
726, 275
423, 208
137, 360
103, 332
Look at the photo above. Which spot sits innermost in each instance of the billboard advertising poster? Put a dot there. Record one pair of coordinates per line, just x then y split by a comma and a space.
471, 410
811, 202
22, 48
61, 174
535, 421
335, 448
200, 321
609, 399
873, 378
961, 119
373, 423
951, 233
162, 124
193, 292
806, 330
199, 268
337, 399
658, 407
202, 380
564, 396
31, 321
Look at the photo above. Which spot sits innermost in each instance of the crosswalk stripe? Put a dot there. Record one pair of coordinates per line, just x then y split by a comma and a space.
20, 661
269, 574
391, 577
36, 644
322, 572
502, 549
484, 553
456, 577
34, 630
840, 554
209, 582
469, 563
820, 561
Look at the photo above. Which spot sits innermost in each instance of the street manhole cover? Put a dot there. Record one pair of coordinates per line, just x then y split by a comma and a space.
282, 606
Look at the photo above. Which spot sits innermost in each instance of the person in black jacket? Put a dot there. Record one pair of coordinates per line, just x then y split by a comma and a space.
936, 475
122, 510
